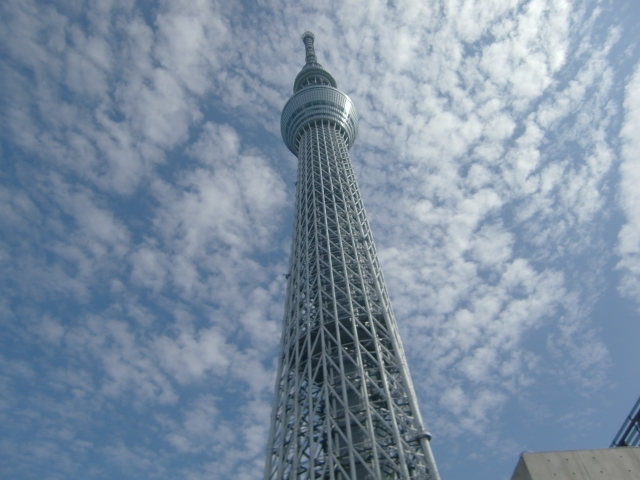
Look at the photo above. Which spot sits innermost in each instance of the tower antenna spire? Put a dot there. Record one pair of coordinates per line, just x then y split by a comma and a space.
310, 53
312, 73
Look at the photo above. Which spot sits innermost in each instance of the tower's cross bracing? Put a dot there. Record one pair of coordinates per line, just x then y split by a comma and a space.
345, 407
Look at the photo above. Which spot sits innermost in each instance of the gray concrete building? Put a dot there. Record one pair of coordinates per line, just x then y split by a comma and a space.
604, 464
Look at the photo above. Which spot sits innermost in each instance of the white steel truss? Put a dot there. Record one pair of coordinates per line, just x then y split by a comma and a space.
345, 407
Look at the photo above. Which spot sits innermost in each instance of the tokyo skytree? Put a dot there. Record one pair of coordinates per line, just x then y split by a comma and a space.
345, 406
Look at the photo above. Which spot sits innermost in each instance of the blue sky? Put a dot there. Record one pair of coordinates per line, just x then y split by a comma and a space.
146, 204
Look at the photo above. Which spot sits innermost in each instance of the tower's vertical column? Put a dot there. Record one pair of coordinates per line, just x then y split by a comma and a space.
344, 406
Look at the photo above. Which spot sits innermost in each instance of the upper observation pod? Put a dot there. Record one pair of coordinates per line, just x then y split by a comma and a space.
316, 99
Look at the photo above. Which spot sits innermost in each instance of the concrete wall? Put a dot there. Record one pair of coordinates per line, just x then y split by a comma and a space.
606, 464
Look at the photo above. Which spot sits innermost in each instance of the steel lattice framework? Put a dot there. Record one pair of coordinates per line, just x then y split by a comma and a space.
629, 433
345, 407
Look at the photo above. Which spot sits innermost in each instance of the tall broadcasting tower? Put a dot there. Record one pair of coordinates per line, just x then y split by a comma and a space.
345, 407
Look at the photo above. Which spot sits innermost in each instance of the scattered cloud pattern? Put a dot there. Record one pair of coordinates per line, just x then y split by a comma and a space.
146, 206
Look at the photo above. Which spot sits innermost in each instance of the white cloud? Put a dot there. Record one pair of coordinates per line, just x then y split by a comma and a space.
193, 42
189, 358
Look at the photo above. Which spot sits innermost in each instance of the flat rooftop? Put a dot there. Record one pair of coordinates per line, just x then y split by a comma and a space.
622, 463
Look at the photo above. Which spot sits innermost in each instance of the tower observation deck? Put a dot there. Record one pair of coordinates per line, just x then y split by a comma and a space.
345, 406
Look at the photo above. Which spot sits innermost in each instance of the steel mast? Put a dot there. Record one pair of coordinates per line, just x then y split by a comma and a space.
345, 406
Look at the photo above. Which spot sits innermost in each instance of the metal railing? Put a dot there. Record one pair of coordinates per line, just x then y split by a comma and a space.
629, 433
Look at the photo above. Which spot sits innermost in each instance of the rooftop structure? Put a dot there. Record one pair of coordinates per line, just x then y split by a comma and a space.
603, 464
629, 434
